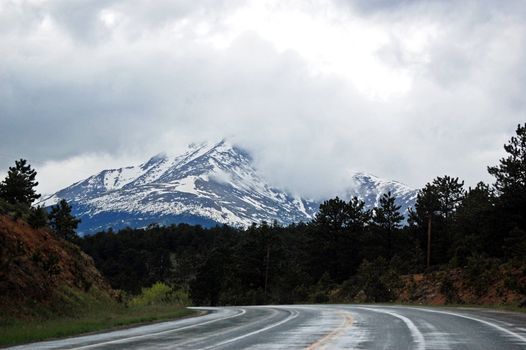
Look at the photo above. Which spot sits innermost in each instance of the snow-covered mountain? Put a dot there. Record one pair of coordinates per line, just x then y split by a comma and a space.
370, 188
208, 184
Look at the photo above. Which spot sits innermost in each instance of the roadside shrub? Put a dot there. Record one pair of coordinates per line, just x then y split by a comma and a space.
349, 289
16, 210
514, 279
448, 289
160, 293
51, 264
481, 272
378, 280
320, 292
320, 297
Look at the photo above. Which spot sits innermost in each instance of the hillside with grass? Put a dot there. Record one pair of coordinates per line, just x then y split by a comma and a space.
42, 275
49, 288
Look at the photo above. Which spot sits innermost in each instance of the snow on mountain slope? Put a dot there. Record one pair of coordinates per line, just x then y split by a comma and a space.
370, 188
212, 182
208, 184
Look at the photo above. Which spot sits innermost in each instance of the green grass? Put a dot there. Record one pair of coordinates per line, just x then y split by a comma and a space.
17, 331
90, 315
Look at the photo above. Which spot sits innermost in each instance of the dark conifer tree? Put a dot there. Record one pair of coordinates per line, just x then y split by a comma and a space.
62, 222
510, 180
206, 288
514, 245
450, 192
19, 185
474, 225
432, 215
387, 218
357, 216
510, 174
38, 217
421, 218
333, 214
332, 240
426, 205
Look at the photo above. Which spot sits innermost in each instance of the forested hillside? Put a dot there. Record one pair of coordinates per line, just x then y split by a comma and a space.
473, 240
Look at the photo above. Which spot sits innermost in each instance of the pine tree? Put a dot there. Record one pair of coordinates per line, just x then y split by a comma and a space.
337, 215
387, 218
435, 205
426, 205
357, 216
510, 174
510, 180
332, 214
19, 185
450, 193
474, 225
62, 222
38, 217
421, 217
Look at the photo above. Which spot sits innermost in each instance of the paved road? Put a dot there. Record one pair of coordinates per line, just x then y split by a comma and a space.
318, 327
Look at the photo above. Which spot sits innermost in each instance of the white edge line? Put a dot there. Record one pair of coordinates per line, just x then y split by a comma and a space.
123, 340
229, 330
415, 332
293, 314
502, 329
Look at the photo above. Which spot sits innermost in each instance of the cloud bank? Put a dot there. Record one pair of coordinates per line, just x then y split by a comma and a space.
407, 90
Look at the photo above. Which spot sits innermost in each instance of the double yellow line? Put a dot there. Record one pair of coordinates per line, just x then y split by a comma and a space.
346, 324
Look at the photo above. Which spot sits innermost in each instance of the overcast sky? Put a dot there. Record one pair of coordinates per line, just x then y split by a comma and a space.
407, 90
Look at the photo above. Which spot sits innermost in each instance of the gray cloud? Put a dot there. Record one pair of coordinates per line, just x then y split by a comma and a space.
146, 79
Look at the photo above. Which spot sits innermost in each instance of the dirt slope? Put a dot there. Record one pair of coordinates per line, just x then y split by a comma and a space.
488, 285
42, 274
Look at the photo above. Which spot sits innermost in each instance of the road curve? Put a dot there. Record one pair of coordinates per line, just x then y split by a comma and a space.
317, 327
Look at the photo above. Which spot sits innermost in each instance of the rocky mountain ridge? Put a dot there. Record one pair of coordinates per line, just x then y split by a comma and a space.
209, 184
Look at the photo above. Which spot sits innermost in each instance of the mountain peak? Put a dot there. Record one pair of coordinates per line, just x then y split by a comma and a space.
210, 183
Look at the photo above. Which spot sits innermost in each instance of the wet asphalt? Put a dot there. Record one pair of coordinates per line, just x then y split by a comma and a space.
317, 327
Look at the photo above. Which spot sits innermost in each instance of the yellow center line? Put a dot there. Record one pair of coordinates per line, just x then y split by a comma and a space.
347, 322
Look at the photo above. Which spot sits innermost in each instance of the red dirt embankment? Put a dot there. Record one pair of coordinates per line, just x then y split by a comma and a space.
36, 267
495, 285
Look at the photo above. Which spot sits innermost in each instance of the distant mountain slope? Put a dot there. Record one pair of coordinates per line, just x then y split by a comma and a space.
370, 188
208, 184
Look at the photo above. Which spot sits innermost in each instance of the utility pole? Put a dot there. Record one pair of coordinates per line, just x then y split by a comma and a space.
266, 270
429, 239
